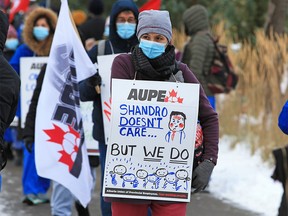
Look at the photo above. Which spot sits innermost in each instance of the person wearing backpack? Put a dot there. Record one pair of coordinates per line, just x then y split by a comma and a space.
199, 51
123, 22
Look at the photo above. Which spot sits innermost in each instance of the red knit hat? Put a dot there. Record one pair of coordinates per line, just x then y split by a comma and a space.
12, 33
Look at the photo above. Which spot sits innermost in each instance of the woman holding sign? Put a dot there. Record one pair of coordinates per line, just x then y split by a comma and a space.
154, 59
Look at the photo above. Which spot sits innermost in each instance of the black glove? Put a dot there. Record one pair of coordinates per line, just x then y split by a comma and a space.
95, 81
29, 141
3, 155
201, 175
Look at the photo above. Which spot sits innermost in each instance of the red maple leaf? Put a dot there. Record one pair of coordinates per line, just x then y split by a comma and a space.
180, 100
56, 134
66, 159
173, 93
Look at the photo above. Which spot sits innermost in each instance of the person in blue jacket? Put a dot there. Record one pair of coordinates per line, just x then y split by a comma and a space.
283, 119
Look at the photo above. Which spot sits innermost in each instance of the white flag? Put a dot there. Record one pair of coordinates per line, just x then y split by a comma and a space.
60, 150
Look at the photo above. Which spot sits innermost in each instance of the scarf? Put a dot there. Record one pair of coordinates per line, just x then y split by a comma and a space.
158, 69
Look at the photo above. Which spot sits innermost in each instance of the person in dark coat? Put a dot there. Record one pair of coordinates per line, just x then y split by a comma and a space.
9, 90
154, 59
116, 43
93, 27
199, 51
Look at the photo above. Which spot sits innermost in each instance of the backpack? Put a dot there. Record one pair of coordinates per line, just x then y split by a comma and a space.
221, 77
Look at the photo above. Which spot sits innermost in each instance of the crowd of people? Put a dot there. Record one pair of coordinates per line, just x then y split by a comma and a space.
144, 42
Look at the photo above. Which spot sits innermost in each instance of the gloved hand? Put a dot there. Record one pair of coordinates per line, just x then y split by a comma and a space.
95, 81
29, 141
3, 155
201, 175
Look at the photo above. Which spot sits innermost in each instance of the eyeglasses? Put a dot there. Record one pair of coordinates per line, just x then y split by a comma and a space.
123, 20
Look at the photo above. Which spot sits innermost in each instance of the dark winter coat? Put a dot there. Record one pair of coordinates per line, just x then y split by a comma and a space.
113, 45
29, 129
9, 82
199, 51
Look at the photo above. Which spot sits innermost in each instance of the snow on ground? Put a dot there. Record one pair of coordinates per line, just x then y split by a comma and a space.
245, 180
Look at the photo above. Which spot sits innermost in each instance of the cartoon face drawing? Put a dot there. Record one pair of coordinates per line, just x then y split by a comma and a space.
176, 127
171, 178
120, 169
129, 177
161, 172
141, 174
177, 121
182, 174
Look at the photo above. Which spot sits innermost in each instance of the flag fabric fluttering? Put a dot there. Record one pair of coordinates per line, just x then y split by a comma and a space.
17, 6
151, 4
60, 150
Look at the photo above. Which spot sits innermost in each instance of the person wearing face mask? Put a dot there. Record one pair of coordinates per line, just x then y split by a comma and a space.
37, 35
154, 59
11, 43
123, 21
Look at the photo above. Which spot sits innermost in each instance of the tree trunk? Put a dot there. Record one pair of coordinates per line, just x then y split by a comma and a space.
276, 16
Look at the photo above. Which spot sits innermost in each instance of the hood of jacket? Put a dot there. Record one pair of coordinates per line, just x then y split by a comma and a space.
118, 7
195, 19
41, 48
4, 25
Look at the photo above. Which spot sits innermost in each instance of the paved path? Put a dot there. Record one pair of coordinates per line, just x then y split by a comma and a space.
202, 204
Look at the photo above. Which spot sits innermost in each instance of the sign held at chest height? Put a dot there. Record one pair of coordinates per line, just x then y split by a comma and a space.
150, 153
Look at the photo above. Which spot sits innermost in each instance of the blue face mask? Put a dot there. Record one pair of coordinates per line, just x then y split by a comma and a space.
11, 43
152, 49
106, 31
40, 32
126, 30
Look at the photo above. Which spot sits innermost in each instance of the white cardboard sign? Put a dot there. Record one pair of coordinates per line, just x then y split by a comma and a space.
29, 70
151, 148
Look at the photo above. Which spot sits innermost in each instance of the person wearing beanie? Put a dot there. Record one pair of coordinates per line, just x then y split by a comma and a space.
154, 59
122, 37
93, 27
11, 43
199, 50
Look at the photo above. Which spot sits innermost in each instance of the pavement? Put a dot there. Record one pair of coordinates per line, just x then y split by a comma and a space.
201, 204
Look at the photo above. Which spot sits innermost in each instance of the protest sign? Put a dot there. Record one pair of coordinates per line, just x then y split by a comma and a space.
104, 64
29, 70
153, 128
